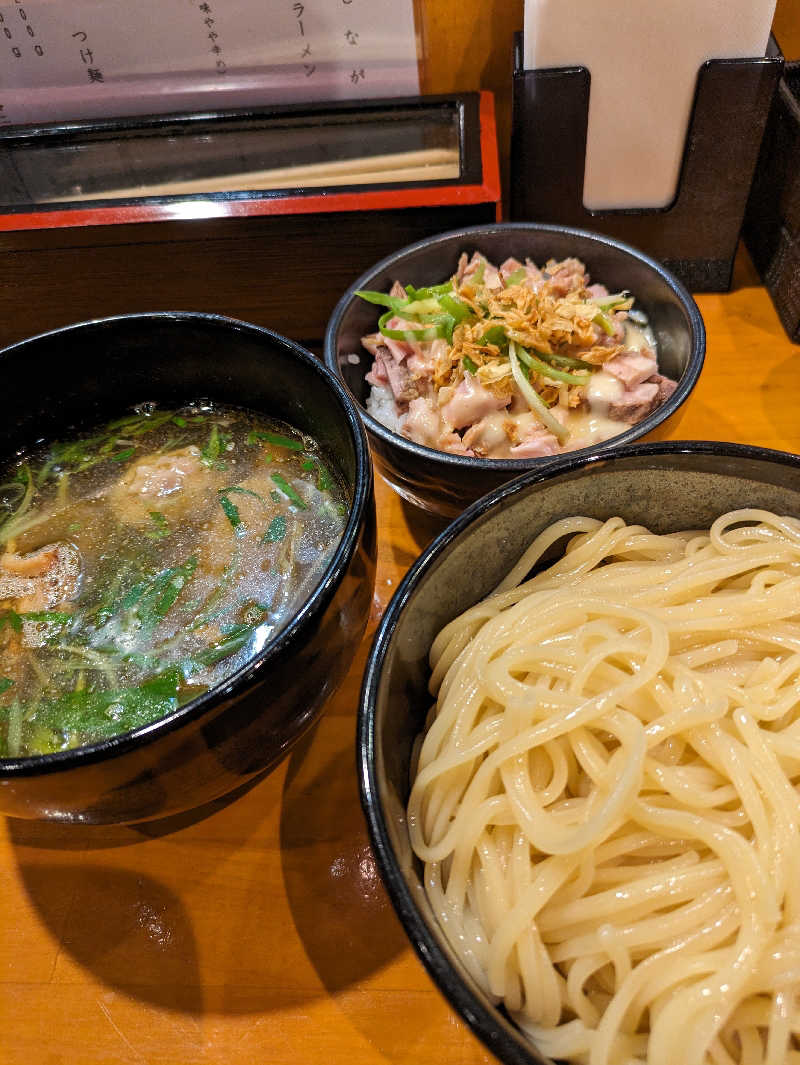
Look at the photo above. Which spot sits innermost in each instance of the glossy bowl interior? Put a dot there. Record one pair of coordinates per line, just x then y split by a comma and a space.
663, 486
88, 374
445, 483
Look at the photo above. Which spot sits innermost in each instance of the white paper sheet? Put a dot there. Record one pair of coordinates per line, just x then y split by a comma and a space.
68, 59
643, 57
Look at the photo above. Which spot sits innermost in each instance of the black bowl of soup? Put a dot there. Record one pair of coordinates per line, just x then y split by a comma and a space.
187, 555
481, 353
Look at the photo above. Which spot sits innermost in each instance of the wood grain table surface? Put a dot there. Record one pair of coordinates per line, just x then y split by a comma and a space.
260, 932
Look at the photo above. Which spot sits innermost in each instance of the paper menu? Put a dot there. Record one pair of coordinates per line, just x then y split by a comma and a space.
71, 59
643, 57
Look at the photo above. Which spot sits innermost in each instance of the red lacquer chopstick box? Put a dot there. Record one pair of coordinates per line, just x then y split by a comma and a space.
265, 215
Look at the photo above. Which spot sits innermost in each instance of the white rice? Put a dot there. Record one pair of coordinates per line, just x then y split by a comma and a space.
382, 407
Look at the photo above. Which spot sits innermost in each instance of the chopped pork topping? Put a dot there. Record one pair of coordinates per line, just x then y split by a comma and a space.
502, 361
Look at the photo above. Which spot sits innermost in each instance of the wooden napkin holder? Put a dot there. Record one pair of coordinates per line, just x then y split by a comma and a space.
772, 222
697, 234
279, 257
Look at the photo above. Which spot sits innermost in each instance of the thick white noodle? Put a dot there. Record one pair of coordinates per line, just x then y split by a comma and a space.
606, 796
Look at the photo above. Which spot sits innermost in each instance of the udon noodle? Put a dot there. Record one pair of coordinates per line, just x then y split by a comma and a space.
606, 796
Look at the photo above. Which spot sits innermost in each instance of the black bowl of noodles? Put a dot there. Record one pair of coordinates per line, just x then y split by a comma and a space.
444, 453
599, 852
199, 570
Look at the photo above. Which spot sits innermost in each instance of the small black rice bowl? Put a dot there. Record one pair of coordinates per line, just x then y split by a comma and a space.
664, 486
445, 483
87, 374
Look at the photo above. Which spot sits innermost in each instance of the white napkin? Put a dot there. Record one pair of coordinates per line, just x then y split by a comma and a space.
643, 57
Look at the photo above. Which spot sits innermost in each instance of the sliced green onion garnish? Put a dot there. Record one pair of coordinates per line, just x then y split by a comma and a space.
495, 334
123, 455
12, 619
604, 322
564, 360
231, 512
619, 301
5, 684
243, 492
430, 290
547, 371
276, 531
160, 526
382, 300
414, 309
288, 491
454, 307
517, 276
217, 443
443, 327
277, 439
532, 397
477, 277
469, 365
47, 617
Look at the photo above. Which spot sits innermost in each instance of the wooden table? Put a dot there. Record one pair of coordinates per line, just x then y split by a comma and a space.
261, 933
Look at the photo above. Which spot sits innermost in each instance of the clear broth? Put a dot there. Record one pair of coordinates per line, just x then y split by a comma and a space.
146, 562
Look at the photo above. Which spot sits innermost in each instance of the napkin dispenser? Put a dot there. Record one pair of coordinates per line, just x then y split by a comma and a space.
264, 214
772, 221
697, 234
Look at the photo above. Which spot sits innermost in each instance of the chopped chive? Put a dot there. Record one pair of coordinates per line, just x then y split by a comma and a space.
12, 618
161, 529
242, 491
469, 365
288, 491
47, 617
324, 479
232, 640
275, 496
123, 455
231, 512
276, 531
277, 440
5, 684
167, 598
152, 598
217, 443
307, 465
179, 421
74, 526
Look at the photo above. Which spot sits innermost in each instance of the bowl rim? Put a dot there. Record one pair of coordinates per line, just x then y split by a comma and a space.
248, 674
499, 1034
388, 437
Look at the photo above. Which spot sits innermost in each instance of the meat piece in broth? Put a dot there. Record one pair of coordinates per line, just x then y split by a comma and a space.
41, 580
177, 483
